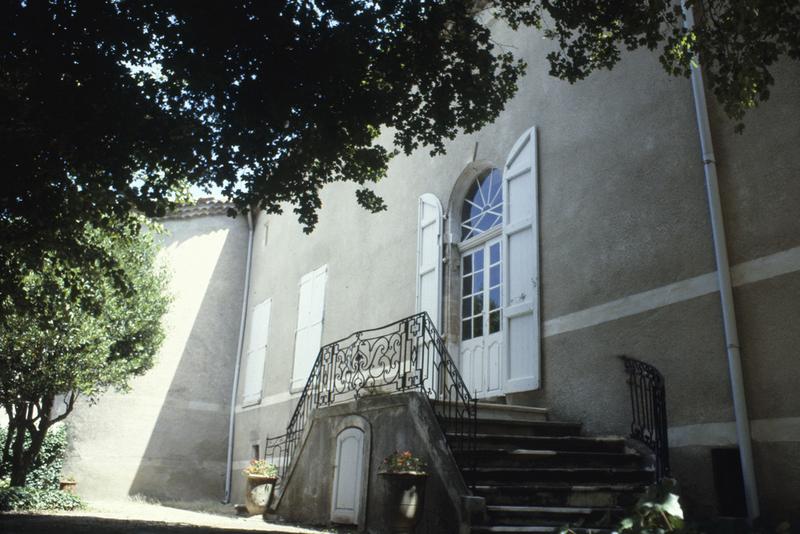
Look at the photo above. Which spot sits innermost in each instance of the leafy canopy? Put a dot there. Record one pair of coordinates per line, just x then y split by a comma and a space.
267, 100
113, 105
88, 335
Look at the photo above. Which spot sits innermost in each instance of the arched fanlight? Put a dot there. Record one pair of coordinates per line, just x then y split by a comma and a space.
483, 205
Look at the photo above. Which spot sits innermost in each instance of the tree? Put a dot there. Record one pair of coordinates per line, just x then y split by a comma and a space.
112, 105
76, 339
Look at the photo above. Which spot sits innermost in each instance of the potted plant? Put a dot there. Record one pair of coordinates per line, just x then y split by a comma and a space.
68, 484
404, 479
261, 478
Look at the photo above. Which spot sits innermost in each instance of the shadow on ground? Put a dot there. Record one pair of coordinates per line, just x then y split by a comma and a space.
61, 524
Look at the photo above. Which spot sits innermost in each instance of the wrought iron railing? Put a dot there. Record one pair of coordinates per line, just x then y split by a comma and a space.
407, 355
649, 410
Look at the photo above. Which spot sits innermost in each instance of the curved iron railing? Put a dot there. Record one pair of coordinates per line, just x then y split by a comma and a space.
407, 355
649, 410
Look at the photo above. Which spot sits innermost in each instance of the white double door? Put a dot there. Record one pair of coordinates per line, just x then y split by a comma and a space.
481, 318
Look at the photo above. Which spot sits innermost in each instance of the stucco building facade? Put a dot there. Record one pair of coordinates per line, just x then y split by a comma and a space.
617, 257
166, 438
626, 260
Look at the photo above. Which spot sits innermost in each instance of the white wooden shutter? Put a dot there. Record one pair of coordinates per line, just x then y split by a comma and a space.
310, 312
429, 246
256, 353
521, 313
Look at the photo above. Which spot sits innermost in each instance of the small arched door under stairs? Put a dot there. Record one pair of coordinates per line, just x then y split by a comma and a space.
348, 477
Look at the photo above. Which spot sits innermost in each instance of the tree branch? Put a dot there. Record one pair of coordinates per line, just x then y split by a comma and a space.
70, 405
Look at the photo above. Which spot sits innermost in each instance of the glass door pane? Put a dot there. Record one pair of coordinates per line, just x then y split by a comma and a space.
472, 294
481, 283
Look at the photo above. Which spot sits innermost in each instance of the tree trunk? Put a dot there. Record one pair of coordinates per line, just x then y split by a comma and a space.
37, 438
22, 458
5, 459
24, 422
19, 471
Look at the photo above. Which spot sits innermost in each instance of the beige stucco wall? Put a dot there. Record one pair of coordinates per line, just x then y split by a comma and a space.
167, 438
626, 257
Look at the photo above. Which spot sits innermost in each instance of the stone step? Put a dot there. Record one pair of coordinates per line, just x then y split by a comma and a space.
511, 412
553, 510
555, 443
528, 428
518, 529
526, 475
546, 458
555, 494
502, 412
555, 515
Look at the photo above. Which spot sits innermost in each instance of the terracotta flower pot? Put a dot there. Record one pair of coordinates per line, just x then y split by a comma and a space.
405, 500
258, 493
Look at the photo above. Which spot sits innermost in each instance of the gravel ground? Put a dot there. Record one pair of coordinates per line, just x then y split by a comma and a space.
142, 518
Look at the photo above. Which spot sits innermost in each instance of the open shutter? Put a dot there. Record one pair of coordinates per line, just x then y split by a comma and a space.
256, 353
310, 312
429, 246
521, 248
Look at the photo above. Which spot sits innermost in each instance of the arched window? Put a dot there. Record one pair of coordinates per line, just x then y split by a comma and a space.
483, 205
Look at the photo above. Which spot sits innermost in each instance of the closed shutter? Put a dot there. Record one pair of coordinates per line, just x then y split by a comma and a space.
308, 336
256, 353
429, 245
521, 248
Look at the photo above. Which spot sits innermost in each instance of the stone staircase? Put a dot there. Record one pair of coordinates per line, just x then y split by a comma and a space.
538, 475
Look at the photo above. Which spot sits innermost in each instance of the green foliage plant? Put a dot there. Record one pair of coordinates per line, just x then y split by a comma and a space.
15, 498
41, 491
45, 470
657, 511
68, 340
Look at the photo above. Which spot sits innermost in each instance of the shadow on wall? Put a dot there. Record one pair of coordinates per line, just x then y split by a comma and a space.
185, 457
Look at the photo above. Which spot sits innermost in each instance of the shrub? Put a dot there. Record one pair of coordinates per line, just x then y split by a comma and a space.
46, 468
41, 491
28, 498
658, 511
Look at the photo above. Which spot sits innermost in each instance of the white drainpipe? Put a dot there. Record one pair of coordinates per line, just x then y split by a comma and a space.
232, 416
725, 287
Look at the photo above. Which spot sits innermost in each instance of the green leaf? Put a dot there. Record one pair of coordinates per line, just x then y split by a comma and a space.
672, 506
